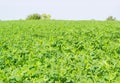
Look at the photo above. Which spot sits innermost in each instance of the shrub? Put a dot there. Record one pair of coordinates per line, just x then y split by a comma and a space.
111, 18
46, 16
34, 17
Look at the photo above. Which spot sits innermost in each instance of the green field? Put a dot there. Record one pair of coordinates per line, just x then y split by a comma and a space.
59, 52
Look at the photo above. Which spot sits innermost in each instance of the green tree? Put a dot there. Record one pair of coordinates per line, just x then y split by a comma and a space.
111, 18
34, 17
46, 16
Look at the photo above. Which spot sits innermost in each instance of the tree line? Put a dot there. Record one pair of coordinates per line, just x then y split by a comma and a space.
48, 17
45, 16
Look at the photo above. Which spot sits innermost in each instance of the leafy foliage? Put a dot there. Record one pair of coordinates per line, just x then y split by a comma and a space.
46, 16
34, 17
111, 18
38, 17
59, 52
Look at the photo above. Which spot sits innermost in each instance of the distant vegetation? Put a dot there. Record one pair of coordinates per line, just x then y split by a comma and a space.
46, 16
38, 17
111, 18
33, 17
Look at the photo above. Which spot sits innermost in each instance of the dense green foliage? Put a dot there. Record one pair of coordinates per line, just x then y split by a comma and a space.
45, 16
34, 17
111, 18
59, 52
39, 17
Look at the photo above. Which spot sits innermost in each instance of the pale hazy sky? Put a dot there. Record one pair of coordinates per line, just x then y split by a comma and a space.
60, 9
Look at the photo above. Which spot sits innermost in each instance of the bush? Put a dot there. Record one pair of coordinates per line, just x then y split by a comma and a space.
46, 16
34, 17
111, 18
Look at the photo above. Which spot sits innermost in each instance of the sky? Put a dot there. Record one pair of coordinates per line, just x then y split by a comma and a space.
60, 9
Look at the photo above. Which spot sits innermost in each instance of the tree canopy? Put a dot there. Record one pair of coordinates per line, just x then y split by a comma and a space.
37, 16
